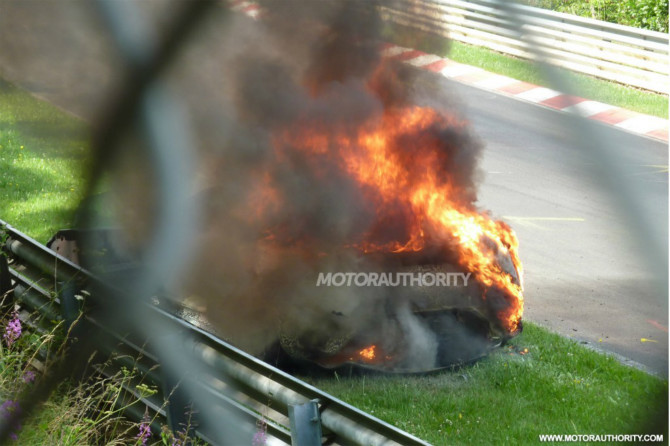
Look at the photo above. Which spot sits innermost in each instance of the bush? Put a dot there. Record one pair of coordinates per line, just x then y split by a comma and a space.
645, 14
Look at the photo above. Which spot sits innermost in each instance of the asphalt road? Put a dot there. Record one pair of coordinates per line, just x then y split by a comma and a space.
588, 274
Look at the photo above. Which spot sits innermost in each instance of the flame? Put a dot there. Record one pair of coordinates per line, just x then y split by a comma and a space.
399, 163
368, 353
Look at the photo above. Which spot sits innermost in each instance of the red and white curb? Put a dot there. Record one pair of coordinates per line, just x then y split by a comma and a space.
630, 121
627, 120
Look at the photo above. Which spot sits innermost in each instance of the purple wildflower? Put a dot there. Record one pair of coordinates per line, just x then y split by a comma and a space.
177, 441
145, 431
29, 376
260, 437
12, 330
8, 408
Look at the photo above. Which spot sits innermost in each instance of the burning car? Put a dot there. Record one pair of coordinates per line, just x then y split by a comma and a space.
377, 185
321, 158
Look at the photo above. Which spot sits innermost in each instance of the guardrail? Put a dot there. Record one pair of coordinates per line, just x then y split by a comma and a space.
238, 386
618, 53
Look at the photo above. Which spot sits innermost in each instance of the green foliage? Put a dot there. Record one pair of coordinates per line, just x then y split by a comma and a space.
645, 14
77, 413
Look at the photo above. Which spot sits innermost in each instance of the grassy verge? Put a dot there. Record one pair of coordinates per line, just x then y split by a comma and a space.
74, 415
586, 86
86, 412
42, 151
558, 387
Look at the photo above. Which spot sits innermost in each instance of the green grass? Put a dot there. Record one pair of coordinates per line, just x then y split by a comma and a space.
42, 151
558, 387
586, 86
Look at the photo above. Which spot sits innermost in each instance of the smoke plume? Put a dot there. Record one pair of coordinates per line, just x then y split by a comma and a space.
278, 215
279, 106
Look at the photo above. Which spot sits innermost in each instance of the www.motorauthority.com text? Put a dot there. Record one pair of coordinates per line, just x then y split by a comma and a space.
602, 438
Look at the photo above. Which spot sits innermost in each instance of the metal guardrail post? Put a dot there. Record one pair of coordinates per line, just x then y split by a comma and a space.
5, 280
179, 410
305, 423
179, 406
68, 303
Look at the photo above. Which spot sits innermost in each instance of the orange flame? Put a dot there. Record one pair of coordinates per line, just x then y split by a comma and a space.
368, 353
398, 162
